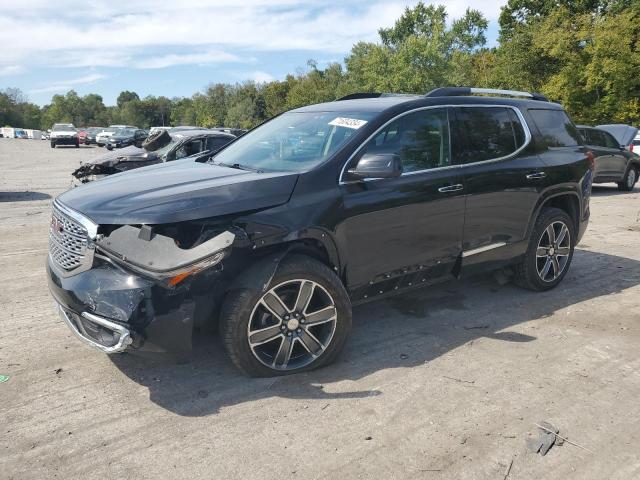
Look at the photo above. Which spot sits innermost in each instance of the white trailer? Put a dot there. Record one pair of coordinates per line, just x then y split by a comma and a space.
8, 132
34, 134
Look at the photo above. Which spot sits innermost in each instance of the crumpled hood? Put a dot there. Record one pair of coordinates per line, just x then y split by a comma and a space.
178, 191
130, 153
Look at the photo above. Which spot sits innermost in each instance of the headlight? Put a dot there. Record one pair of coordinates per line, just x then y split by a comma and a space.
158, 256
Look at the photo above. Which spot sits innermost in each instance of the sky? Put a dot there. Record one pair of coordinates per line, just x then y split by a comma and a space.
178, 48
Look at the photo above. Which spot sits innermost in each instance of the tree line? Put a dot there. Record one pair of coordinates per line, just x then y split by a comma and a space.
584, 54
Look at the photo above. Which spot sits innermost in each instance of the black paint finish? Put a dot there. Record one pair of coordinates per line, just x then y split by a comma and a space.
378, 235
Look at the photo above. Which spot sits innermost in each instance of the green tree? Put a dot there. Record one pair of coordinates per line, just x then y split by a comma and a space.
420, 52
125, 97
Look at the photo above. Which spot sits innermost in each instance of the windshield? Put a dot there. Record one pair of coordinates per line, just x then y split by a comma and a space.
294, 141
63, 126
124, 131
162, 151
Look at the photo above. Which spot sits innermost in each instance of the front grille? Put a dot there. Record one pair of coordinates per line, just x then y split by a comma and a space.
67, 241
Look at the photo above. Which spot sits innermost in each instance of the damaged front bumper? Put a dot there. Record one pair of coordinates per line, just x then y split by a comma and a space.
98, 332
113, 310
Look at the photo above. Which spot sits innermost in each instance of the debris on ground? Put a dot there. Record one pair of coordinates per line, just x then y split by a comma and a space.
545, 427
508, 469
58, 371
4, 378
459, 380
546, 438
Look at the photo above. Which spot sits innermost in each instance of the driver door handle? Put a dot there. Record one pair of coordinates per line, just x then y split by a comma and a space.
451, 188
536, 175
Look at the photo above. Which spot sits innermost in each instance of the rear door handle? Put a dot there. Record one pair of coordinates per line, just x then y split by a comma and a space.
536, 175
451, 188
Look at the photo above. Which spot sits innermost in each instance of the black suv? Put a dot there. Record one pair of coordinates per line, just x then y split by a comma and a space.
279, 233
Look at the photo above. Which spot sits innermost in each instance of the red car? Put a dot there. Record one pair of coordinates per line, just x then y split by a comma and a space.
82, 134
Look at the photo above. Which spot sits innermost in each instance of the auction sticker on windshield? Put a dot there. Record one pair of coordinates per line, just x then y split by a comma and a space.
347, 122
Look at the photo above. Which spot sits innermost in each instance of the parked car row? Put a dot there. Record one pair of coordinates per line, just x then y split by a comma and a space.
159, 147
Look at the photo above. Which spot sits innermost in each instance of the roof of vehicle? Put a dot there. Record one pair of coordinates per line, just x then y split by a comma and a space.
200, 131
382, 103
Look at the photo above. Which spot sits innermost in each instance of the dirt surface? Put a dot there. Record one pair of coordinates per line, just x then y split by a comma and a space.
444, 383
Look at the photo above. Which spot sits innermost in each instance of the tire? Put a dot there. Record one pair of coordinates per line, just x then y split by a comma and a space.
243, 312
156, 140
530, 272
109, 147
629, 180
53, 145
77, 145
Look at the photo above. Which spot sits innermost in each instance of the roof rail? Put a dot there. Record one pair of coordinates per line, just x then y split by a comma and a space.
462, 91
354, 96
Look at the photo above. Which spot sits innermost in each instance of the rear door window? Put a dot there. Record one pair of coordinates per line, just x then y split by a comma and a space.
596, 138
556, 128
486, 133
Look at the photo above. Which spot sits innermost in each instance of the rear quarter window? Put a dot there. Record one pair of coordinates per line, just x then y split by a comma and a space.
556, 128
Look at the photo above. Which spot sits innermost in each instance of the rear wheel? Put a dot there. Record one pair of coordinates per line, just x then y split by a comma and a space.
629, 180
550, 251
300, 322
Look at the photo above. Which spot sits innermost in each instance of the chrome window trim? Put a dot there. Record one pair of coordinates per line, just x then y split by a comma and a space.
525, 127
91, 227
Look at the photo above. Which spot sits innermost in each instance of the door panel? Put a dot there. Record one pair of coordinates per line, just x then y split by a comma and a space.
500, 199
412, 220
501, 193
396, 223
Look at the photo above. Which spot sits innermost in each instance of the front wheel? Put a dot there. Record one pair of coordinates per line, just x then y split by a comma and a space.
550, 251
299, 322
53, 145
629, 180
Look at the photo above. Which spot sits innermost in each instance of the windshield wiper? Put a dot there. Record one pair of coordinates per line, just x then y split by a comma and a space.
237, 166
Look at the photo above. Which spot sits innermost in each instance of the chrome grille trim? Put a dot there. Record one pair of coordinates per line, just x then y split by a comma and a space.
70, 240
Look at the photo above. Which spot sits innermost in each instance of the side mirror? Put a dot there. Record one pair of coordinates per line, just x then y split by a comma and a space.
377, 165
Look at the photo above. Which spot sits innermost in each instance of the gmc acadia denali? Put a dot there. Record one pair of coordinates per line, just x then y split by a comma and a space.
278, 234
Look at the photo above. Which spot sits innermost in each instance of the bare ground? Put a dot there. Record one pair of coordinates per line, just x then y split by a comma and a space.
442, 383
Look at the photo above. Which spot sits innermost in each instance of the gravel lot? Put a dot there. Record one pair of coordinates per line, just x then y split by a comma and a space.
442, 383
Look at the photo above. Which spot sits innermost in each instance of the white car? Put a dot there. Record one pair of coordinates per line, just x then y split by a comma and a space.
102, 137
64, 134
155, 129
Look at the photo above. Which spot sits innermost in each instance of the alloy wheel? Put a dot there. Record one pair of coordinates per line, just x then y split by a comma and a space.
552, 254
292, 324
631, 178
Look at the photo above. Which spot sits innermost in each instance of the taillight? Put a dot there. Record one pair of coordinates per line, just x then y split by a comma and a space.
591, 159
